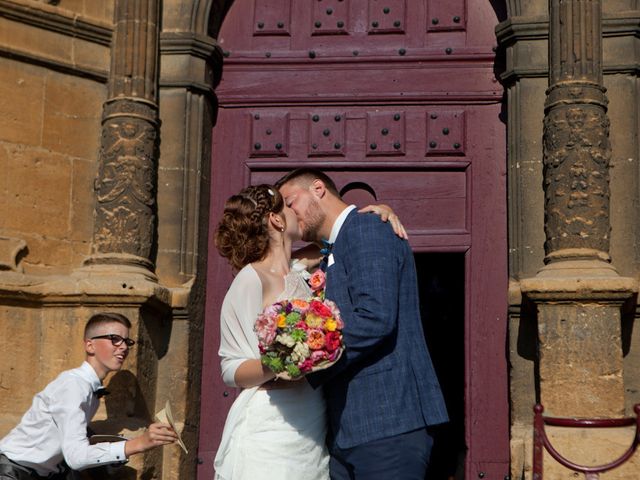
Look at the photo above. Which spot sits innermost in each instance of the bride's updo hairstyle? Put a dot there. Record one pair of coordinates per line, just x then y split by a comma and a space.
242, 236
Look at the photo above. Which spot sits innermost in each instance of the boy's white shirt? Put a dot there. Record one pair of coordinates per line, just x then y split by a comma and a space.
55, 427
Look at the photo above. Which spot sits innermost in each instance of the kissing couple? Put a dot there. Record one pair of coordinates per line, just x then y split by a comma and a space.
368, 415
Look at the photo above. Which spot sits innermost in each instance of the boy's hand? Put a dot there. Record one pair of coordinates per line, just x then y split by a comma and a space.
157, 434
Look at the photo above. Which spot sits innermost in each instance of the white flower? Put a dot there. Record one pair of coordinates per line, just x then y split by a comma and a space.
301, 350
286, 339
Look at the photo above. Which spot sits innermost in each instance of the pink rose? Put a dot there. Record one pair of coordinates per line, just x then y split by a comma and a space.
265, 328
306, 366
318, 356
317, 280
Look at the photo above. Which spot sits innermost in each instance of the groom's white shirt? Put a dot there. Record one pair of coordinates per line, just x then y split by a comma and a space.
335, 229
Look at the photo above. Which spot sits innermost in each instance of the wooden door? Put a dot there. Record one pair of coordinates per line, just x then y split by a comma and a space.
398, 102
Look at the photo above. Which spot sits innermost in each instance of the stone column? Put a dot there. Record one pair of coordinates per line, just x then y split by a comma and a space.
578, 293
125, 212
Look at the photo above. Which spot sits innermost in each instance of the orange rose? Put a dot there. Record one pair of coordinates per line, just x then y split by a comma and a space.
315, 339
300, 305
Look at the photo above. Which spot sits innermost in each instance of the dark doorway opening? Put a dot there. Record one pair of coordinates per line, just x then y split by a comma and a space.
441, 281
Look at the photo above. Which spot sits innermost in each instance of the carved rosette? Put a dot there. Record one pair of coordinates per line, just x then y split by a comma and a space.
126, 183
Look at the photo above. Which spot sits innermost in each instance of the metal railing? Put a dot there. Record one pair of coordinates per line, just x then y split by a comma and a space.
541, 441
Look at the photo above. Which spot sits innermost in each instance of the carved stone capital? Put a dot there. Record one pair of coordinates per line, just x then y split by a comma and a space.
576, 92
132, 108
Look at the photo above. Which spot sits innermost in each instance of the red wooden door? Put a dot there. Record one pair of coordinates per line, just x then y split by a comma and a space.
395, 99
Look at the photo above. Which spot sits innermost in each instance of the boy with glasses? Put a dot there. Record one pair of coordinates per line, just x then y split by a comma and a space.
51, 439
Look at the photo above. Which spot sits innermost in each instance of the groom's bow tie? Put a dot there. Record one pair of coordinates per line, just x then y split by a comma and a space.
326, 247
101, 392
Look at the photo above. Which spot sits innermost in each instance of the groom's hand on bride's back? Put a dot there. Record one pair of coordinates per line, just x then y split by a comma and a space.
387, 214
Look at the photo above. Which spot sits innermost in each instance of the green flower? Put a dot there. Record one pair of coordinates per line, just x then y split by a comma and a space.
273, 363
292, 318
293, 371
299, 335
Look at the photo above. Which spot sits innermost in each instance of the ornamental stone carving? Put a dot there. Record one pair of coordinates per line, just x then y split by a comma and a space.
576, 135
125, 188
576, 176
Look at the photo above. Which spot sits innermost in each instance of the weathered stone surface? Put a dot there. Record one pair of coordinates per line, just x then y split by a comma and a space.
39, 182
4, 193
72, 109
19, 368
580, 353
47, 255
624, 167
82, 200
21, 102
10, 253
92, 56
591, 447
51, 45
102, 11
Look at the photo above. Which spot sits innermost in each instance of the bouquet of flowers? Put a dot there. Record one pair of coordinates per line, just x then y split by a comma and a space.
299, 336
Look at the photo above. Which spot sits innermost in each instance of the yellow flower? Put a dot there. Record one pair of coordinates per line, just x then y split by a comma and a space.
313, 320
282, 320
330, 325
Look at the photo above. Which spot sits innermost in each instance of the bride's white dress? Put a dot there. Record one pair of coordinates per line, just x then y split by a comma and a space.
276, 434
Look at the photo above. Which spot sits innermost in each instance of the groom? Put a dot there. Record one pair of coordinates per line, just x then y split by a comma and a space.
383, 393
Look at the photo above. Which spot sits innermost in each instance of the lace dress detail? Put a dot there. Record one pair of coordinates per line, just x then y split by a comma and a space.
295, 285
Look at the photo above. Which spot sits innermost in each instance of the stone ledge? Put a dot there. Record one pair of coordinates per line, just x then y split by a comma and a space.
90, 288
46, 17
579, 280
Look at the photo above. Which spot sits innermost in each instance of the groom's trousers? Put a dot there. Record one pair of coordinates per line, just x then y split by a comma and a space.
404, 456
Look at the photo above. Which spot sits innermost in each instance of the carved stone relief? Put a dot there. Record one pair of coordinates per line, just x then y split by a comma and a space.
576, 177
125, 188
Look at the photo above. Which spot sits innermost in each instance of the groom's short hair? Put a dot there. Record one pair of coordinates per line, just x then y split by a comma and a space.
305, 176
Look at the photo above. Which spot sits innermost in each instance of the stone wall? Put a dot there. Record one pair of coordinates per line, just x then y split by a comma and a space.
55, 64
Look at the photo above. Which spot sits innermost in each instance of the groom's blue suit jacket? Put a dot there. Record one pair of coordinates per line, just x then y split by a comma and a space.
385, 383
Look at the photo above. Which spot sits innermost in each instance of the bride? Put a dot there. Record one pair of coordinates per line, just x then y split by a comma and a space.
276, 428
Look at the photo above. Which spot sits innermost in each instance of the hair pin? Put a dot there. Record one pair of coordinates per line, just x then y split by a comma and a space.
271, 192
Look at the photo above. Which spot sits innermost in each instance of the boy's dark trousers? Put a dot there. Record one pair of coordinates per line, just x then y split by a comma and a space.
13, 471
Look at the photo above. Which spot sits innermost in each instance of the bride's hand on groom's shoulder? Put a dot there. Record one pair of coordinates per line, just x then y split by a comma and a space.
387, 214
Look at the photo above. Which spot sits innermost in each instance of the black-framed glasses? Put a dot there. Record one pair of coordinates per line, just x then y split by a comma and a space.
116, 340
